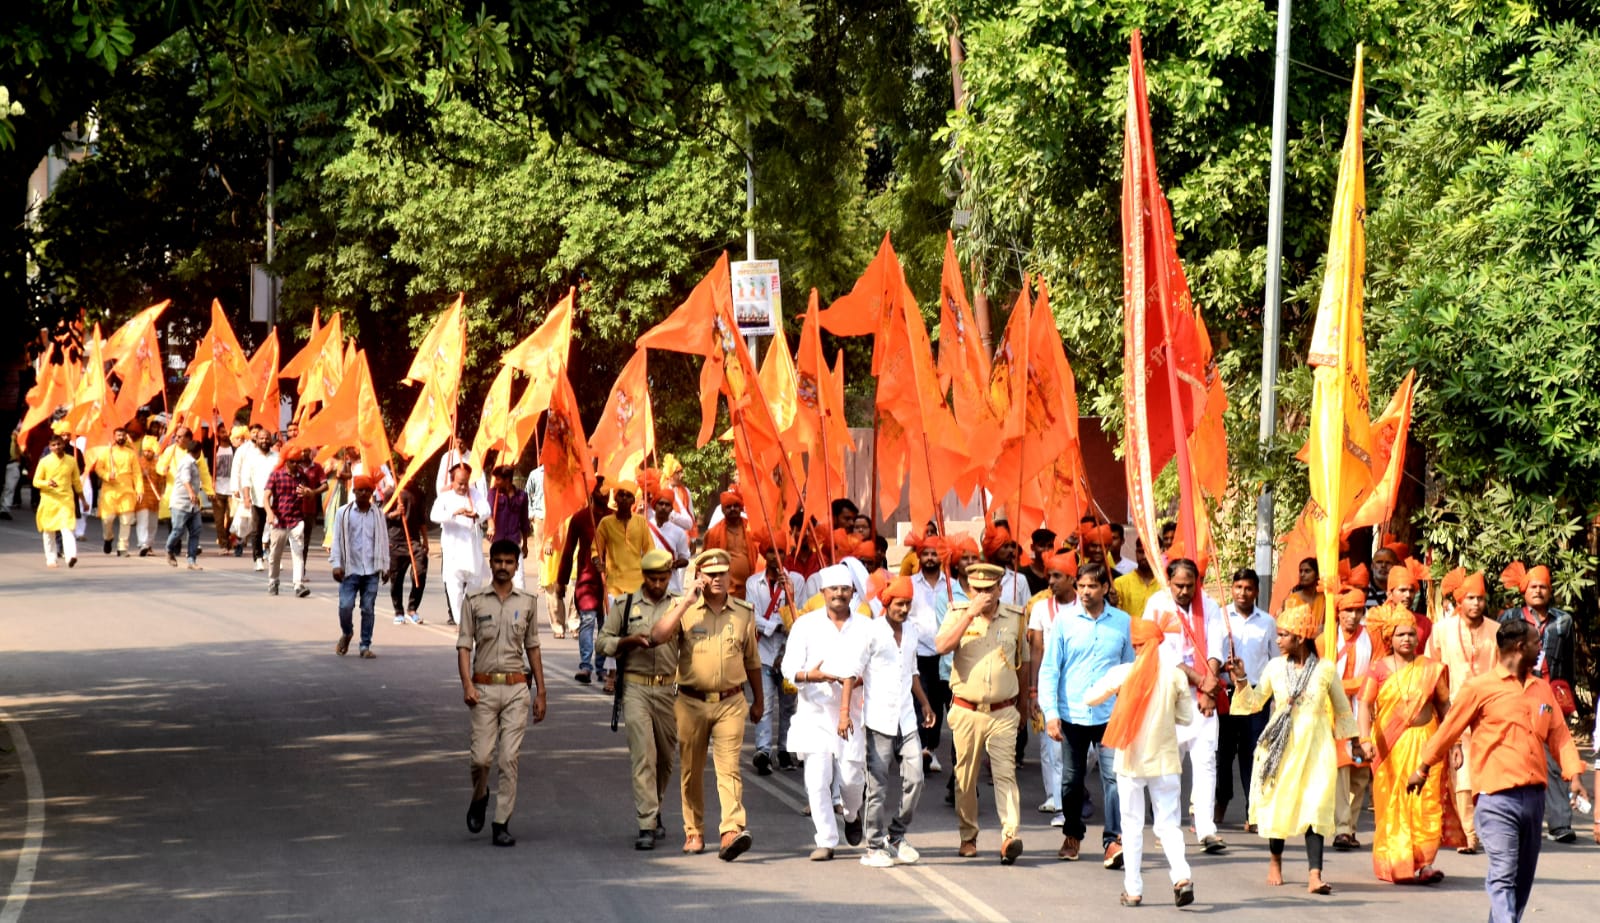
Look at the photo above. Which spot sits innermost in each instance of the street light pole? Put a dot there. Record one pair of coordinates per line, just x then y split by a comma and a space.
1271, 309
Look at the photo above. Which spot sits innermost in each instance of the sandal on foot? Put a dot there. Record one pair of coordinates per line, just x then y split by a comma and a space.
1183, 893
1130, 900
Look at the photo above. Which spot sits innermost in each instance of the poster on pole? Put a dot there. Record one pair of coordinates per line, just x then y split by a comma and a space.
757, 302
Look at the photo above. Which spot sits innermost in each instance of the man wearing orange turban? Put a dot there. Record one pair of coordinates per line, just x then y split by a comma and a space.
931, 596
1152, 700
731, 535
773, 592
1042, 611
1001, 549
359, 559
1464, 642
1555, 666
1354, 655
1401, 587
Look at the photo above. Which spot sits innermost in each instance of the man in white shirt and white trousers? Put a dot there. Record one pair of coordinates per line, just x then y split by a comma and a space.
825, 634
460, 512
1195, 634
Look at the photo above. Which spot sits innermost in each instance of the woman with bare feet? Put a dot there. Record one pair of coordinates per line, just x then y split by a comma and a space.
1296, 767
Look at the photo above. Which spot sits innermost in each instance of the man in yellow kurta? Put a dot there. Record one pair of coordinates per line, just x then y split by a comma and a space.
121, 484
151, 487
56, 479
1296, 772
1401, 700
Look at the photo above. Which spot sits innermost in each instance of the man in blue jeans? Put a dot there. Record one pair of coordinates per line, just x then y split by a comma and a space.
360, 559
1087, 639
186, 499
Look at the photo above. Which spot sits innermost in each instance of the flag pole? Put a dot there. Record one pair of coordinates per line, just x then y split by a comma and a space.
1272, 307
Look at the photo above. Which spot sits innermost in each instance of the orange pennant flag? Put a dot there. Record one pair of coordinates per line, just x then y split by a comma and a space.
136, 356
52, 391
299, 366
542, 354
1389, 434
92, 401
866, 309
700, 326
350, 418
494, 423
963, 362
624, 436
438, 366
265, 402
325, 372
568, 467
780, 384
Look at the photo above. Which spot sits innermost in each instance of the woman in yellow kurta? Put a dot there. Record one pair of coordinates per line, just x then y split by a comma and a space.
1296, 767
1402, 698
55, 477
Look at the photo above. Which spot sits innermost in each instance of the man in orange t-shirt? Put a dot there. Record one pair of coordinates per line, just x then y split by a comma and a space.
1514, 720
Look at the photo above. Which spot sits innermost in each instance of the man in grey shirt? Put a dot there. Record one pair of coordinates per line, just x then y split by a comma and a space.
186, 499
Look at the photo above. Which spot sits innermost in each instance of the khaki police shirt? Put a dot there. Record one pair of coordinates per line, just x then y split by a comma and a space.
991, 651
661, 660
717, 650
498, 632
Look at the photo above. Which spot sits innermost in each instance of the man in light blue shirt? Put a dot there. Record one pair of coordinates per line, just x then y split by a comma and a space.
1085, 642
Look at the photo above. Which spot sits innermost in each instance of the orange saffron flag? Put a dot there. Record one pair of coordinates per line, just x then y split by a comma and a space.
92, 402
1389, 434
350, 418
438, 366
135, 354
264, 397
568, 467
866, 309
542, 356
699, 326
494, 423
624, 436
52, 391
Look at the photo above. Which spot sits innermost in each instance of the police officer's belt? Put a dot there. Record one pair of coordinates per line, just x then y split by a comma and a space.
977, 706
711, 698
500, 679
647, 679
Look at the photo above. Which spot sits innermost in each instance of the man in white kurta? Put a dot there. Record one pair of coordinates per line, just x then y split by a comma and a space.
460, 511
818, 637
1196, 632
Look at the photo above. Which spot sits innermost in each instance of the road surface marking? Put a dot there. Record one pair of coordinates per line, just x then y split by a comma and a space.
33, 835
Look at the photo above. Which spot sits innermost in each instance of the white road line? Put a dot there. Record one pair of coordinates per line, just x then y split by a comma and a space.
33, 836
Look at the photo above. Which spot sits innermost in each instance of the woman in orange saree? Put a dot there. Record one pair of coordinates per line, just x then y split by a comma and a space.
1402, 700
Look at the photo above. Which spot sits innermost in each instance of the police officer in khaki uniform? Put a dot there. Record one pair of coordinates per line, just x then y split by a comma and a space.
715, 634
497, 625
991, 654
647, 672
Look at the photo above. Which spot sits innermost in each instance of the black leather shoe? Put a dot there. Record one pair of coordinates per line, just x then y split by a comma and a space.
645, 840
475, 812
763, 763
853, 828
502, 836
660, 832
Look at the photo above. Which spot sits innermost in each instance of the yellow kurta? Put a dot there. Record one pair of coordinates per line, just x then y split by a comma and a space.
1302, 795
1410, 827
58, 505
120, 478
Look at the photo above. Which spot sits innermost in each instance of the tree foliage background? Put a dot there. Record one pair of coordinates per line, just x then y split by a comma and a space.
513, 149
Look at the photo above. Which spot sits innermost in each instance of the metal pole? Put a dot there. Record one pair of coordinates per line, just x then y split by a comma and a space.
750, 214
272, 280
1265, 533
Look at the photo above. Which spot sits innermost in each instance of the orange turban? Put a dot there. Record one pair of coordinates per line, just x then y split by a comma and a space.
1471, 585
965, 545
730, 496
1383, 621
995, 538
1101, 535
363, 482
1451, 584
1133, 699
1299, 619
864, 549
1359, 576
1400, 576
1352, 598
761, 541
1064, 562
919, 543
898, 588
877, 582
1519, 578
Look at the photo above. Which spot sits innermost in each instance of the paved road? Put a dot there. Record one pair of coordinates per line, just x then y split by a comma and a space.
202, 754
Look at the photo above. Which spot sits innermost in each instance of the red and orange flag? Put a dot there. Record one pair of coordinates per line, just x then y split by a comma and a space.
1389, 434
568, 467
1164, 376
625, 434
264, 397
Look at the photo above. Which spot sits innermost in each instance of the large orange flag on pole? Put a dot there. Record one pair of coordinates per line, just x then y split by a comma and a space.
265, 401
1389, 433
438, 366
698, 326
1164, 382
964, 369
494, 423
350, 418
819, 424
568, 467
92, 403
325, 371
867, 307
1341, 437
52, 391
625, 434
135, 354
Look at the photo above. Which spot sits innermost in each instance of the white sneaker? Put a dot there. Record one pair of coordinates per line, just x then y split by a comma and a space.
1059, 820
878, 859
399, 620
1049, 807
933, 764
413, 620
904, 853
260, 565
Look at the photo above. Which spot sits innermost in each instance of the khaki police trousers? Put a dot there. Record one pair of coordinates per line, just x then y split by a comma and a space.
722, 725
1350, 799
652, 739
995, 732
499, 719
